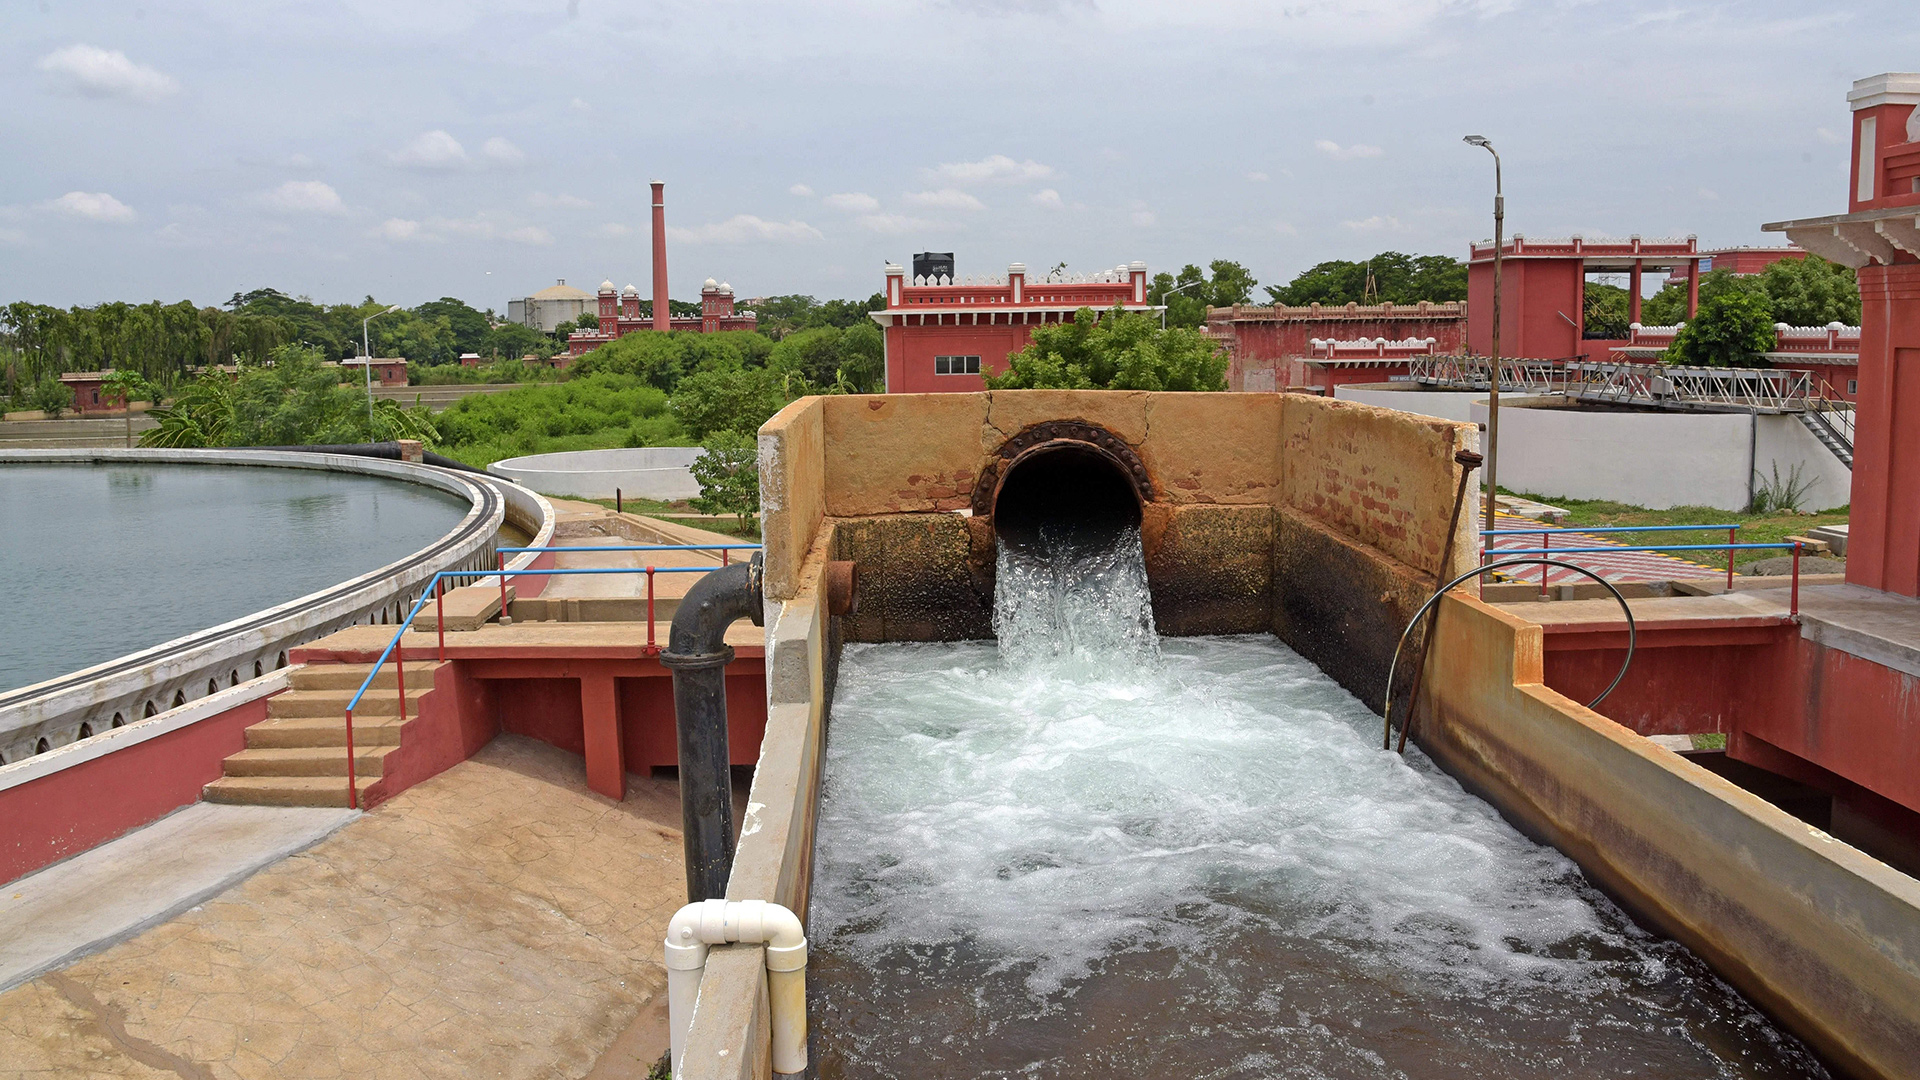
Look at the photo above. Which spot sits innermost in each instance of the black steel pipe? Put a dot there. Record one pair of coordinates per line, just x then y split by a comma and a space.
697, 654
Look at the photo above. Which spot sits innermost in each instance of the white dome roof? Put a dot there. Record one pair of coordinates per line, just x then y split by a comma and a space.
709, 284
606, 286
725, 288
629, 290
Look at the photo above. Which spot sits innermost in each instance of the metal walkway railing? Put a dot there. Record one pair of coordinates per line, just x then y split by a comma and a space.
436, 589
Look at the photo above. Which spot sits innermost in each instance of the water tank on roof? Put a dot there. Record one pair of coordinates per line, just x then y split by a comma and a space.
933, 264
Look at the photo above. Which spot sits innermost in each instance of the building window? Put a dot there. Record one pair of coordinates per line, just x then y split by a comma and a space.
956, 365
1853, 386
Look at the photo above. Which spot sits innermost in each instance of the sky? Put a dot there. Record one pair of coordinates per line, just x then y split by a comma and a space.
484, 149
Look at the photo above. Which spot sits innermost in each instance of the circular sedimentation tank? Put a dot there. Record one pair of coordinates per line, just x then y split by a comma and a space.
109, 559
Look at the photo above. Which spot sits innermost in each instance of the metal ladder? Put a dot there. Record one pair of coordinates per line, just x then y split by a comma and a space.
1830, 438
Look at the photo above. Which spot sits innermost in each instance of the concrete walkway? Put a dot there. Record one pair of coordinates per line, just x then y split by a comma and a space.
96, 899
498, 920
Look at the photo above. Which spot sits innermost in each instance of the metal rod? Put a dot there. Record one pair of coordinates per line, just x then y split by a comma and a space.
1730, 541
505, 615
1546, 541
650, 645
400, 674
440, 614
1610, 529
1503, 552
653, 547
353, 793
1794, 607
617, 507
1468, 461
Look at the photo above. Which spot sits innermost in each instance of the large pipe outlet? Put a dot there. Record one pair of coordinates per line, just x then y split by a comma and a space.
1068, 484
696, 927
697, 654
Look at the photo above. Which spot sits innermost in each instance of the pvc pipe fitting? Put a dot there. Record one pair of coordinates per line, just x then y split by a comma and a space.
696, 927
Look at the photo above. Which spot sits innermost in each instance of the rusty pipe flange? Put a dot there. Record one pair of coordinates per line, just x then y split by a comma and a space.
840, 583
1055, 434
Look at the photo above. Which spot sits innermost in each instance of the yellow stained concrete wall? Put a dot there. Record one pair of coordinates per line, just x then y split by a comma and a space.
792, 491
1822, 935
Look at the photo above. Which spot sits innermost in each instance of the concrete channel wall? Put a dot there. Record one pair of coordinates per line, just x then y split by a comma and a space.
1820, 934
153, 680
1280, 513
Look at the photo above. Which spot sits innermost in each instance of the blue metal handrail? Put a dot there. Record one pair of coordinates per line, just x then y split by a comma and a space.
436, 589
1795, 546
1607, 529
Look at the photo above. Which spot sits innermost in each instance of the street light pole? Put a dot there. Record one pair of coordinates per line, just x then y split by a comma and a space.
1165, 296
1493, 380
366, 361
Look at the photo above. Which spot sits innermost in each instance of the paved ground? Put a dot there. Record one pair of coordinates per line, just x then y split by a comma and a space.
99, 897
498, 920
1620, 566
666, 586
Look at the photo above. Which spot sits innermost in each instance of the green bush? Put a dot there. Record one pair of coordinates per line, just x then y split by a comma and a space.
733, 399
585, 413
1119, 350
297, 400
662, 360
1730, 331
729, 477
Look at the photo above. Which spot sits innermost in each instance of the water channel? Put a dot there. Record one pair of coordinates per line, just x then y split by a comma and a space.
1089, 852
104, 560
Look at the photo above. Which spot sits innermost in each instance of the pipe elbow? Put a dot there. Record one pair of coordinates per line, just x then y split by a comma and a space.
686, 950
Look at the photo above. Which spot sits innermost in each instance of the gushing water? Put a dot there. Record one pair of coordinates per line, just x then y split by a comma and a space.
1088, 853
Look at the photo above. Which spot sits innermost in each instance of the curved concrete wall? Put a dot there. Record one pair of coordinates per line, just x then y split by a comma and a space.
647, 472
129, 686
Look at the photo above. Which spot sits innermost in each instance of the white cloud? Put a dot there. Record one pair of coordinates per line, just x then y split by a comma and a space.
101, 73
13, 238
580, 105
1345, 153
745, 229
562, 201
501, 152
1828, 135
900, 224
616, 230
1709, 194
1377, 223
91, 206
944, 199
401, 230
431, 150
1258, 177
1145, 219
302, 197
855, 201
997, 168
1048, 198
1285, 228
801, 190
531, 235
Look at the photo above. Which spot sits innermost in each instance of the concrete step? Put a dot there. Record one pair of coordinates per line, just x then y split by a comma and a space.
350, 676
309, 760
310, 731
284, 790
334, 702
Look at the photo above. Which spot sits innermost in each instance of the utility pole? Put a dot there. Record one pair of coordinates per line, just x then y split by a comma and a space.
366, 360
1493, 381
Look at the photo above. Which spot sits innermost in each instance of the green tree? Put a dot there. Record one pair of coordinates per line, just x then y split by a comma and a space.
51, 396
468, 327
297, 400
729, 477
1398, 279
1729, 331
664, 359
1223, 284
1606, 311
1812, 292
733, 399
1669, 305
1115, 350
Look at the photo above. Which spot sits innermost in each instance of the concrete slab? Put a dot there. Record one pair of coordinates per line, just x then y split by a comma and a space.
1872, 625
104, 896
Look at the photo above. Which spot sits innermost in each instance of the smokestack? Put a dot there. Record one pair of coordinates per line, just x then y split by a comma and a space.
660, 312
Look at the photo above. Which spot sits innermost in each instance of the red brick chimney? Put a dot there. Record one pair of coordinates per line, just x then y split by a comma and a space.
661, 314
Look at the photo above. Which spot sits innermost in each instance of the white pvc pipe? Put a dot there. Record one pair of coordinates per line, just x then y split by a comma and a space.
753, 922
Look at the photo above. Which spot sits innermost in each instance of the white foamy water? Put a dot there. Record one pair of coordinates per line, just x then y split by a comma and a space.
1190, 858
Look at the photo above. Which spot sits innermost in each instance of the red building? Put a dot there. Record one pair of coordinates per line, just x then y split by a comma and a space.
1543, 291
1742, 261
1274, 348
620, 316
90, 393
944, 335
387, 370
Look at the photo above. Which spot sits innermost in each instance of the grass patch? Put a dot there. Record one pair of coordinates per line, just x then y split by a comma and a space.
1709, 740
1754, 528
655, 508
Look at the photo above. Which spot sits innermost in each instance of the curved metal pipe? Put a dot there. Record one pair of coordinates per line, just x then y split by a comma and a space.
697, 654
1386, 711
